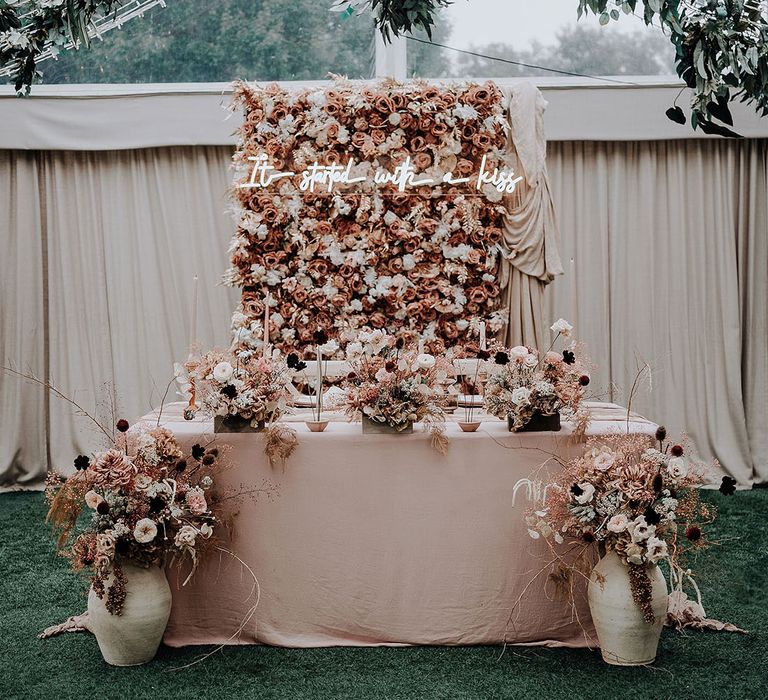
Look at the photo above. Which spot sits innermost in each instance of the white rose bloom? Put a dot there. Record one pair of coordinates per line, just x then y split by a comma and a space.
329, 348
657, 550
603, 461
520, 396
354, 350
185, 537
587, 493
426, 361
145, 531
677, 467
519, 351
222, 372
562, 327
382, 375
634, 553
618, 523
531, 360
641, 530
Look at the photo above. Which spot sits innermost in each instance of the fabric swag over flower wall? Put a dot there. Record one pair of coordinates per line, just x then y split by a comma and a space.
424, 254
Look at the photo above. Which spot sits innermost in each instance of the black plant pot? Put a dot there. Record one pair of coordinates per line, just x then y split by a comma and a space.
374, 427
538, 423
235, 424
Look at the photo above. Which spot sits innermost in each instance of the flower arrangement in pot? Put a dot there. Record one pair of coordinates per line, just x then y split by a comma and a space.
391, 386
637, 498
242, 391
148, 505
530, 391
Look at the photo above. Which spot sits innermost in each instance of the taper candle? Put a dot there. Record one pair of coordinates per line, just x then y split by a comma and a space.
266, 324
482, 336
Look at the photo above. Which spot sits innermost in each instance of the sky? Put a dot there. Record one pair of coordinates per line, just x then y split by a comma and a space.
517, 22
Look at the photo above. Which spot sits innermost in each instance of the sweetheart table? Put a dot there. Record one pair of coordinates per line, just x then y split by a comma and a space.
380, 540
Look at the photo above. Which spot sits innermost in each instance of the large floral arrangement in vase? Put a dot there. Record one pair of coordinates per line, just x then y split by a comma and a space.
144, 504
524, 386
392, 385
637, 497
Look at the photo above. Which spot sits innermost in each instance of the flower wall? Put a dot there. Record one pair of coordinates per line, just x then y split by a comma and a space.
424, 259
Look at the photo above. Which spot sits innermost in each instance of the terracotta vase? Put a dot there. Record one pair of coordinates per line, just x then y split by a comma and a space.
469, 426
625, 638
133, 637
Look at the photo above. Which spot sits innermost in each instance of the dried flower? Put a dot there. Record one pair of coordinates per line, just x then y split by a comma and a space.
728, 486
197, 451
501, 358
677, 450
661, 433
583, 380
82, 462
568, 357
693, 533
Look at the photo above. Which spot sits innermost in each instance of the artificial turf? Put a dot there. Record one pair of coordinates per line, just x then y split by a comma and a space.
37, 590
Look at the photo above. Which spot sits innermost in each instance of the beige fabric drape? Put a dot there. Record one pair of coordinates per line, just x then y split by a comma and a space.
670, 241
530, 246
22, 332
126, 232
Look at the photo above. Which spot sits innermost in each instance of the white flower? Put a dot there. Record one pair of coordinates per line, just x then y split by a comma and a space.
657, 550
677, 467
545, 388
92, 499
562, 327
185, 537
634, 553
354, 350
531, 360
330, 347
618, 523
603, 461
142, 482
145, 531
206, 530
382, 375
519, 351
587, 493
222, 372
521, 396
425, 361
640, 530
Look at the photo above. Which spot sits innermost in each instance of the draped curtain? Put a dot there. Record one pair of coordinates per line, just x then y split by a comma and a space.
669, 239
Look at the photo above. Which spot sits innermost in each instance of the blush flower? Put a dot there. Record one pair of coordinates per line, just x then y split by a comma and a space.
145, 531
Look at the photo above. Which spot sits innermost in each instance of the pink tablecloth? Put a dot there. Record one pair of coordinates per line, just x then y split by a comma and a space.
378, 539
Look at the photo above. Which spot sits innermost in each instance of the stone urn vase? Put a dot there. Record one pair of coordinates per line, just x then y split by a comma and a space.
133, 637
625, 638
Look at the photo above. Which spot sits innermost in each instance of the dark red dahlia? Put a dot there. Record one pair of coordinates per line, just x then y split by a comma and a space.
122, 425
693, 533
677, 450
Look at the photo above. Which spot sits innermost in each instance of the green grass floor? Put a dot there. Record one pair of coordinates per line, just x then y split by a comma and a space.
37, 590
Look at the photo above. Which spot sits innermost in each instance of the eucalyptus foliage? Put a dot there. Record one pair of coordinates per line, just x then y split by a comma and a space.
721, 46
29, 27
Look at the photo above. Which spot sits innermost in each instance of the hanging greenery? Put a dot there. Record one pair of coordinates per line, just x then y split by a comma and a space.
33, 30
721, 46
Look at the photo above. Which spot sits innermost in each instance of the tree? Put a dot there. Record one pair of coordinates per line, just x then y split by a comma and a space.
578, 49
203, 41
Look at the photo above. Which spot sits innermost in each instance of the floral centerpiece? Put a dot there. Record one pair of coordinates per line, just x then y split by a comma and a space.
635, 496
391, 385
241, 388
526, 386
144, 504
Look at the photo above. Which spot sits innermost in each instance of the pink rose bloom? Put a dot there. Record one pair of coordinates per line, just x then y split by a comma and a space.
553, 358
196, 501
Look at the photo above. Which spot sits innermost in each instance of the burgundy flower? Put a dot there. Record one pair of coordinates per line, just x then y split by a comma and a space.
102, 508
588, 536
389, 366
321, 337
658, 483
197, 451
181, 465
82, 462
122, 425
583, 380
576, 490
483, 355
399, 343
651, 516
568, 357
677, 450
501, 358
661, 433
230, 391
693, 533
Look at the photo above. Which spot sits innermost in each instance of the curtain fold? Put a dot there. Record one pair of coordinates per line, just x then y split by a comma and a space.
670, 242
